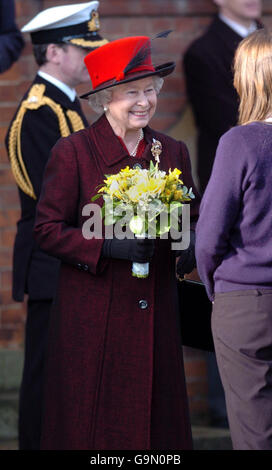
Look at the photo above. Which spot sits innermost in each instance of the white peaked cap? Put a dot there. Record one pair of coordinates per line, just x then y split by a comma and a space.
58, 17
73, 24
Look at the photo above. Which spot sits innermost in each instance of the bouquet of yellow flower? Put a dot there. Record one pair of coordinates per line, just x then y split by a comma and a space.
144, 196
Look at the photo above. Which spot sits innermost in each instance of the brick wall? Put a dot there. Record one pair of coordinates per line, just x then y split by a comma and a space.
187, 19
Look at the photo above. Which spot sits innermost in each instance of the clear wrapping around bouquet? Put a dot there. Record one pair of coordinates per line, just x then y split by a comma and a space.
140, 270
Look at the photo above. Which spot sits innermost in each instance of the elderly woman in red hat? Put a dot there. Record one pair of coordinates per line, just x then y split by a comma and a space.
115, 375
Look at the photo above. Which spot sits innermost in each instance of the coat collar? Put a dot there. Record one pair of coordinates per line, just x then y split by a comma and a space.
101, 131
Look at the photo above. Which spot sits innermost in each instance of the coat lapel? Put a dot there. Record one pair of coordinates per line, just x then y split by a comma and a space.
101, 132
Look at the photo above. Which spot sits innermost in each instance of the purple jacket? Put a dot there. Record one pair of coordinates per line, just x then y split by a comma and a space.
233, 236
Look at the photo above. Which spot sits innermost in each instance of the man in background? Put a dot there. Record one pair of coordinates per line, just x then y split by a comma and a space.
209, 76
209, 82
61, 37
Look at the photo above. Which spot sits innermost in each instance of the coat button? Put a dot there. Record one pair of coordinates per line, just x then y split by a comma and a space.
137, 165
79, 266
85, 267
143, 304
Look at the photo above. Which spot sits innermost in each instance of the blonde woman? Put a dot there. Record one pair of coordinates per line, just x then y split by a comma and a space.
234, 250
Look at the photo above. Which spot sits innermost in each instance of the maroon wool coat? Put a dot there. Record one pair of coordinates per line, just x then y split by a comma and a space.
115, 376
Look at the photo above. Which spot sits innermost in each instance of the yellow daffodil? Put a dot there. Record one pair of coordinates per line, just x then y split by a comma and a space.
140, 188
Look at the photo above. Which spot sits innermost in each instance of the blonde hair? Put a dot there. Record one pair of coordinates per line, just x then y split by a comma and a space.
99, 100
253, 76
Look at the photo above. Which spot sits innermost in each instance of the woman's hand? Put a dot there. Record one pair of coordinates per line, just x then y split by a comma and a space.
139, 250
186, 261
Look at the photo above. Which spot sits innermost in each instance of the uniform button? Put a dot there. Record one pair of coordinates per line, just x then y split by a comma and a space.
137, 165
143, 304
85, 267
79, 266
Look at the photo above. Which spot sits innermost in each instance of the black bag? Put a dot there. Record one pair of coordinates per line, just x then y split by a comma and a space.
195, 315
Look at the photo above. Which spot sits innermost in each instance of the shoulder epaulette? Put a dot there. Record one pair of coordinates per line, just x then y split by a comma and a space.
75, 120
35, 100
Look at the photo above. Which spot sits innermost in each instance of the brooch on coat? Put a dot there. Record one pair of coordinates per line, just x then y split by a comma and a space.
156, 149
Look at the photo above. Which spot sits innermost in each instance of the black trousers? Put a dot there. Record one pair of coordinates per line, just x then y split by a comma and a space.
30, 401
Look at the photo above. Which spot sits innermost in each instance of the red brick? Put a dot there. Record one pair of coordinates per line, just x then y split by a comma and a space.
7, 112
119, 8
12, 74
13, 93
12, 316
6, 297
6, 176
28, 48
162, 123
192, 353
8, 93
7, 237
3, 130
6, 280
198, 406
201, 23
5, 257
113, 28
27, 8
8, 218
170, 104
6, 336
3, 154
198, 389
9, 197
12, 338
22, 87
195, 369
172, 83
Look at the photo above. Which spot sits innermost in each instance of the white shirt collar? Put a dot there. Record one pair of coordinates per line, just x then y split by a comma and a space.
70, 92
238, 28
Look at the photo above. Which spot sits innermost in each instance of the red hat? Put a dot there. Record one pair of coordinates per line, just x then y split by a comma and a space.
121, 61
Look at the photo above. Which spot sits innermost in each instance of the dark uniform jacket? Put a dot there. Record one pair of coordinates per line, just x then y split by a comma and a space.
44, 115
209, 80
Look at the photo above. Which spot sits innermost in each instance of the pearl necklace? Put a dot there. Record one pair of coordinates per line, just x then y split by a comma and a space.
134, 151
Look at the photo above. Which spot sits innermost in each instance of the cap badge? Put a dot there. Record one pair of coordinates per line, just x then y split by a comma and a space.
94, 24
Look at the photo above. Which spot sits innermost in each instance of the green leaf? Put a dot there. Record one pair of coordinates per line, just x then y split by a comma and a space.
163, 225
103, 211
96, 196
